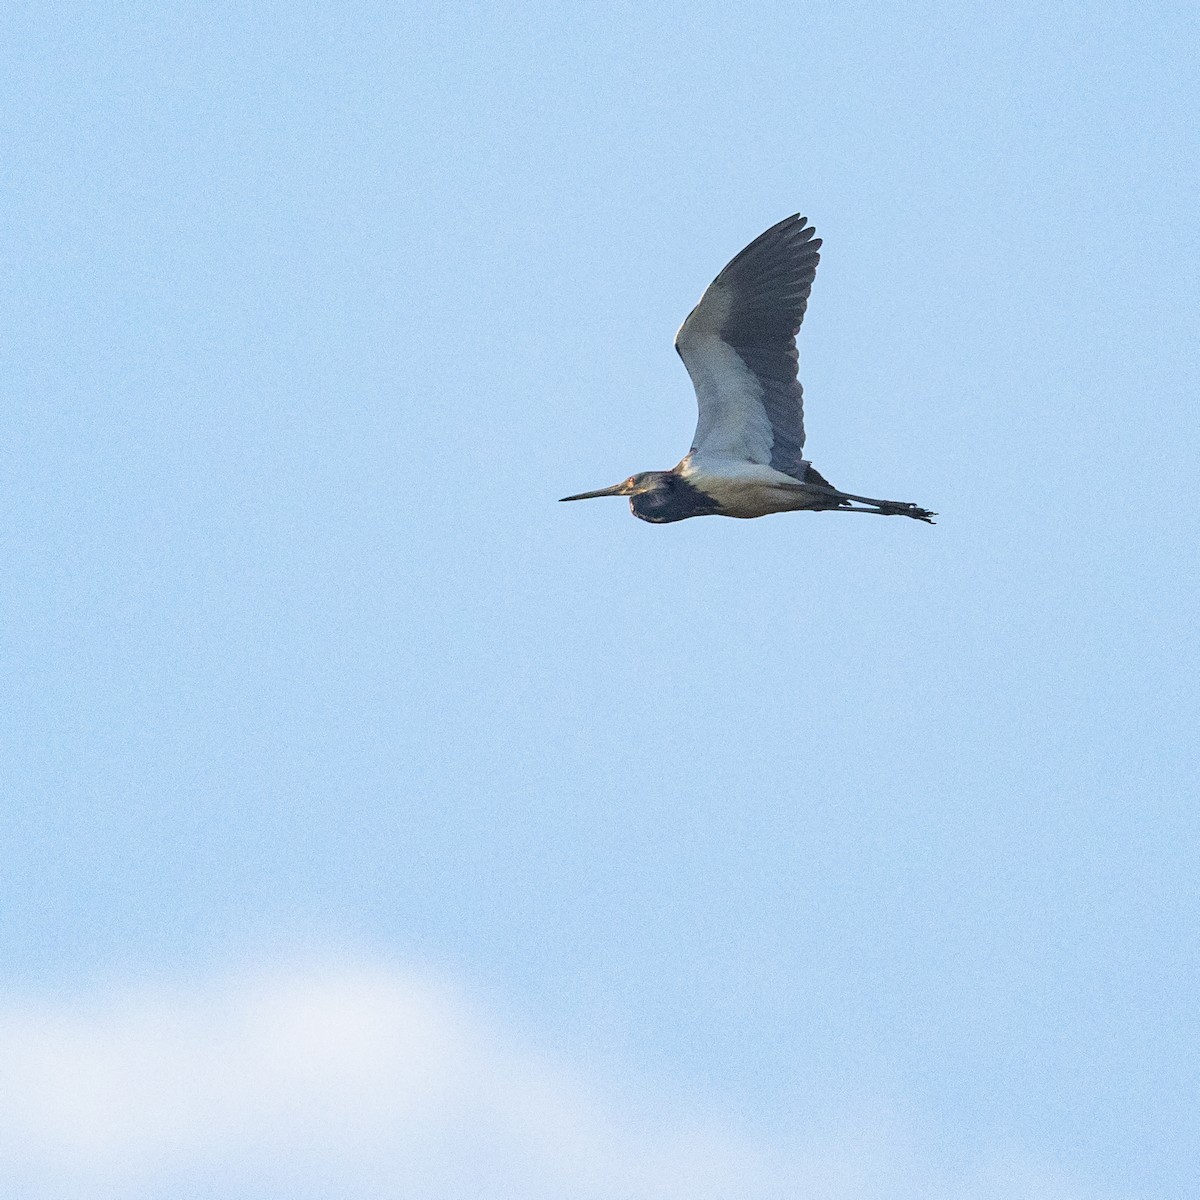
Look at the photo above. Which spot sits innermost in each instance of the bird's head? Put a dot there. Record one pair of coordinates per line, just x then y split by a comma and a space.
653, 495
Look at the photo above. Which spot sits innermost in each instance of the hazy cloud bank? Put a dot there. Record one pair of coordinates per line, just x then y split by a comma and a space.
351, 1082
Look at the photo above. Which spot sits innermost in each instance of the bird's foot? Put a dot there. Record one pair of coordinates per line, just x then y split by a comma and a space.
897, 508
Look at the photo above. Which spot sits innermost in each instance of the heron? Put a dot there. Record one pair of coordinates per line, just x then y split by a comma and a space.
739, 347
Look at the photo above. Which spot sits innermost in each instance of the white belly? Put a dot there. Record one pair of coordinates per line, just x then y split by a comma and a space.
745, 489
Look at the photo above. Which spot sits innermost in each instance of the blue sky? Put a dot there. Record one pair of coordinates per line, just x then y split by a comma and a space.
855, 843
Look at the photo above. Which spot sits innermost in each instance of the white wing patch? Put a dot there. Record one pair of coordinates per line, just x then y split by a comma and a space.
733, 422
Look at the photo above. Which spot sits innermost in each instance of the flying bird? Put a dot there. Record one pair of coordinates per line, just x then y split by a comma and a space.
739, 347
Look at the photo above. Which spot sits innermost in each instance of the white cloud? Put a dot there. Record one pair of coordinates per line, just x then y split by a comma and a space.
356, 1084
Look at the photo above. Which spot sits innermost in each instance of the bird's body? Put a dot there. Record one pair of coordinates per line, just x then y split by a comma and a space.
739, 347
749, 489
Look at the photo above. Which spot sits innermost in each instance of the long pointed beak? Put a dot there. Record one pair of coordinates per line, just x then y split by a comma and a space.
617, 489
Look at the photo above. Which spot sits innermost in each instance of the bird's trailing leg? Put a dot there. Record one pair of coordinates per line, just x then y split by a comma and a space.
894, 509
881, 508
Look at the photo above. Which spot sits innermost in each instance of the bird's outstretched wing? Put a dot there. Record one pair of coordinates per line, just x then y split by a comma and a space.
739, 347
